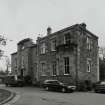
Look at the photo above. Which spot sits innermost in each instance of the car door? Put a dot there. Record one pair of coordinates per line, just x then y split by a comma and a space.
55, 85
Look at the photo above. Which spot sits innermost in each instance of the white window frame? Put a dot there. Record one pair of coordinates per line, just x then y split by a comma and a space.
53, 45
89, 43
43, 48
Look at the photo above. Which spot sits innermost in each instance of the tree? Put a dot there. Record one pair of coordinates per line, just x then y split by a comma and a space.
2, 72
2, 43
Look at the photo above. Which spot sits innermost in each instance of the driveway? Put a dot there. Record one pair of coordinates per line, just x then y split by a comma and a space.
38, 96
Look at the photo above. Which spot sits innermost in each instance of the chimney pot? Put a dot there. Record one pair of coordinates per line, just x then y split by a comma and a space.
49, 30
83, 25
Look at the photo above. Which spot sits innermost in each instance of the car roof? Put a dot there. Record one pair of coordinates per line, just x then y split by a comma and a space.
50, 80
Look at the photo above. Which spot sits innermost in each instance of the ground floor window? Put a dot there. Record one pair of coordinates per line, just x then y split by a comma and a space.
88, 65
43, 68
66, 65
54, 68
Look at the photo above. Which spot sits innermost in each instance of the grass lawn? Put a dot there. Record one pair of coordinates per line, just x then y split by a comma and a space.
4, 94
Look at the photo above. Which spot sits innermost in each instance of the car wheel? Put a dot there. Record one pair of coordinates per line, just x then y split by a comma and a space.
96, 91
47, 88
71, 91
20, 84
63, 90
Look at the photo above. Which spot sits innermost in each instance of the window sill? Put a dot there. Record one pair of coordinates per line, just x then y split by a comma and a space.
88, 71
54, 75
43, 75
66, 74
53, 50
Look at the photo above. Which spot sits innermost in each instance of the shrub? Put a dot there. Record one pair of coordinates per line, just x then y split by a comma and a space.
85, 85
27, 80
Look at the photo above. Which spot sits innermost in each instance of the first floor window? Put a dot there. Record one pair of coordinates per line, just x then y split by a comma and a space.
15, 62
54, 68
89, 43
67, 38
42, 48
53, 45
22, 62
88, 65
66, 65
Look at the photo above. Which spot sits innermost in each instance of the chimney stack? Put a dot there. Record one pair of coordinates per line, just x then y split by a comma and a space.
83, 25
49, 30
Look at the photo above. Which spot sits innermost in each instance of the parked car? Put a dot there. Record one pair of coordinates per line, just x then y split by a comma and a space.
13, 80
99, 87
58, 86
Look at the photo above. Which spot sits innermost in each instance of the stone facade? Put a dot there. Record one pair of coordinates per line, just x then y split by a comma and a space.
69, 55
14, 63
24, 55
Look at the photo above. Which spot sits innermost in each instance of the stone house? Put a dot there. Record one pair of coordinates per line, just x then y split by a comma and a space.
69, 55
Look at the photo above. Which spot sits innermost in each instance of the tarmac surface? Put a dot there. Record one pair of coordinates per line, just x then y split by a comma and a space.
38, 96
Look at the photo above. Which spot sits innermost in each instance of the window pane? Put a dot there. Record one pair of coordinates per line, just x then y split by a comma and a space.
42, 48
89, 43
88, 65
53, 45
54, 68
43, 68
67, 38
66, 62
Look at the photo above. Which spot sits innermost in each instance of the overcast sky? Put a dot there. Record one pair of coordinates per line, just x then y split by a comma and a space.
27, 18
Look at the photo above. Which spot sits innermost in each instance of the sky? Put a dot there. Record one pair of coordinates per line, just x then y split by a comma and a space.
20, 19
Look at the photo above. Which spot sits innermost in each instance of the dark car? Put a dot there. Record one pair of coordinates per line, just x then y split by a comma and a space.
13, 80
58, 86
99, 87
